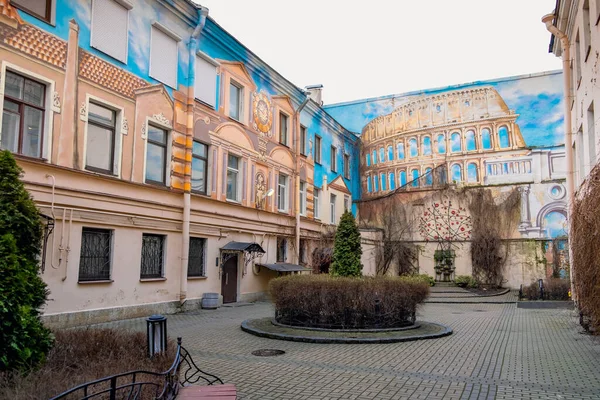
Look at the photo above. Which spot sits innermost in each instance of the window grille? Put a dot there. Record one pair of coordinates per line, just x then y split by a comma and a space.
281, 249
196, 257
152, 256
95, 256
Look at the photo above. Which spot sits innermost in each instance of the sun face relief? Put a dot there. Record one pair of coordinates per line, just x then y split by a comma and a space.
263, 115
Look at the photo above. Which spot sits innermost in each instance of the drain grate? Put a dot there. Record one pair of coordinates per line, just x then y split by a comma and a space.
267, 352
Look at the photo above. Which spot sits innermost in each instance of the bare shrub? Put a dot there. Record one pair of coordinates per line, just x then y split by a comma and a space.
83, 355
553, 289
347, 303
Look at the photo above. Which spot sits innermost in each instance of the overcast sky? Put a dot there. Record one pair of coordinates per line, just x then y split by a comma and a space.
379, 47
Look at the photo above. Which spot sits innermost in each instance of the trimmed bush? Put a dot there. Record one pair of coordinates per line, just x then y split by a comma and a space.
346, 248
554, 289
24, 341
429, 280
465, 281
347, 303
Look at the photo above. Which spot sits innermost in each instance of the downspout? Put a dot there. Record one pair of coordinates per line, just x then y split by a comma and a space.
297, 202
189, 140
566, 59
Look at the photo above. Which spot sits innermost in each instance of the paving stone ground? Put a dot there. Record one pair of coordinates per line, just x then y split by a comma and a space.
496, 352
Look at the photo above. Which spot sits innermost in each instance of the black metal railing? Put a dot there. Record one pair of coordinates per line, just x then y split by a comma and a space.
136, 385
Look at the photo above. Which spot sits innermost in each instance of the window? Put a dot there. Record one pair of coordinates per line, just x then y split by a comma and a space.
101, 138
472, 175
153, 248
109, 28
375, 183
578, 61
587, 44
346, 203
369, 188
282, 193
23, 115
456, 173
426, 146
402, 178
486, 139
412, 147
470, 139
41, 9
332, 200
196, 257
368, 159
503, 138
381, 155
318, 149
346, 166
303, 198
383, 182
163, 56
591, 130
302, 140
199, 167
302, 251
390, 153
455, 143
428, 177
333, 159
374, 157
317, 203
95, 256
392, 181
283, 129
235, 101
156, 155
400, 150
415, 178
441, 139
233, 169
205, 83
281, 249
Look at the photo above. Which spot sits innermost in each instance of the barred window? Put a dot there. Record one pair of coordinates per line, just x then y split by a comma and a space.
95, 256
281, 249
196, 259
152, 256
302, 251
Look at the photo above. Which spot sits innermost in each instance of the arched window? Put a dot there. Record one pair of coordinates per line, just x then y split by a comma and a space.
390, 153
470, 139
456, 173
412, 147
369, 188
428, 177
426, 146
383, 182
374, 157
555, 223
415, 177
400, 150
368, 160
455, 143
402, 178
472, 174
375, 183
441, 139
381, 155
486, 139
503, 139
392, 181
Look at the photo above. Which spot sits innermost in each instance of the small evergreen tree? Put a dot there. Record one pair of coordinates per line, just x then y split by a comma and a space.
24, 341
346, 248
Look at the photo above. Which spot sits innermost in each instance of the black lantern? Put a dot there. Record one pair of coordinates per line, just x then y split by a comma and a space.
156, 326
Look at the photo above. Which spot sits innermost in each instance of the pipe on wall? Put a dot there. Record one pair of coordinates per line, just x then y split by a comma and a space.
297, 152
566, 60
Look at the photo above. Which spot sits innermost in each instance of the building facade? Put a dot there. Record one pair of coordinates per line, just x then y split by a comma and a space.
169, 159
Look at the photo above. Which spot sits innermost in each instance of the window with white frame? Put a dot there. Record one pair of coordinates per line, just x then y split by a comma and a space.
332, 200
236, 93
156, 155
317, 203
41, 9
95, 256
199, 167
110, 19
302, 198
197, 257
346, 203
153, 256
302, 140
23, 115
163, 56
101, 142
205, 84
283, 129
233, 171
282, 192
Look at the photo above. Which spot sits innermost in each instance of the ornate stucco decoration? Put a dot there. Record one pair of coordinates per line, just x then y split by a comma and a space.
83, 112
124, 126
144, 133
262, 149
262, 112
161, 119
260, 188
56, 102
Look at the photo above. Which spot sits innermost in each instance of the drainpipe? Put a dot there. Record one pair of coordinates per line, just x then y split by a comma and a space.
297, 202
566, 59
189, 140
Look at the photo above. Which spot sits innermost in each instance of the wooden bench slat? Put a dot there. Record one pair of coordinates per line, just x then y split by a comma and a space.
216, 392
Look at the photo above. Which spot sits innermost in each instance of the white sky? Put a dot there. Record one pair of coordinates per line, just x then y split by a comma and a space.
378, 47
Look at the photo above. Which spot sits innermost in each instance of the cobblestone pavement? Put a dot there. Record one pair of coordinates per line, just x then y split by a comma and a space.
496, 352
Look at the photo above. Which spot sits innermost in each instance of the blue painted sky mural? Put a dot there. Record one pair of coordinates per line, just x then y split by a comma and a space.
537, 98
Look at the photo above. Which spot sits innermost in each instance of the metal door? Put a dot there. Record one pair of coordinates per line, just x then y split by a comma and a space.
229, 280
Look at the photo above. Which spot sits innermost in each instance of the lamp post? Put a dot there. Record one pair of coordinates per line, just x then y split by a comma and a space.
156, 329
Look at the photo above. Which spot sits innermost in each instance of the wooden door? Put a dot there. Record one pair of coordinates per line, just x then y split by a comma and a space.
229, 280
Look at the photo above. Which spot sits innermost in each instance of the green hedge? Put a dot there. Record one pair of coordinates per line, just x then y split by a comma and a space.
347, 303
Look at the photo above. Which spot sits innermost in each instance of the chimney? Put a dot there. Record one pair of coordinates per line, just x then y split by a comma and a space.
315, 92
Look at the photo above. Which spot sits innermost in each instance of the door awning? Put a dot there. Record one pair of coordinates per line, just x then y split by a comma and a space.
248, 247
284, 267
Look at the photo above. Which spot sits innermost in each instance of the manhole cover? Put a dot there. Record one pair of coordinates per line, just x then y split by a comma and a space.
267, 352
